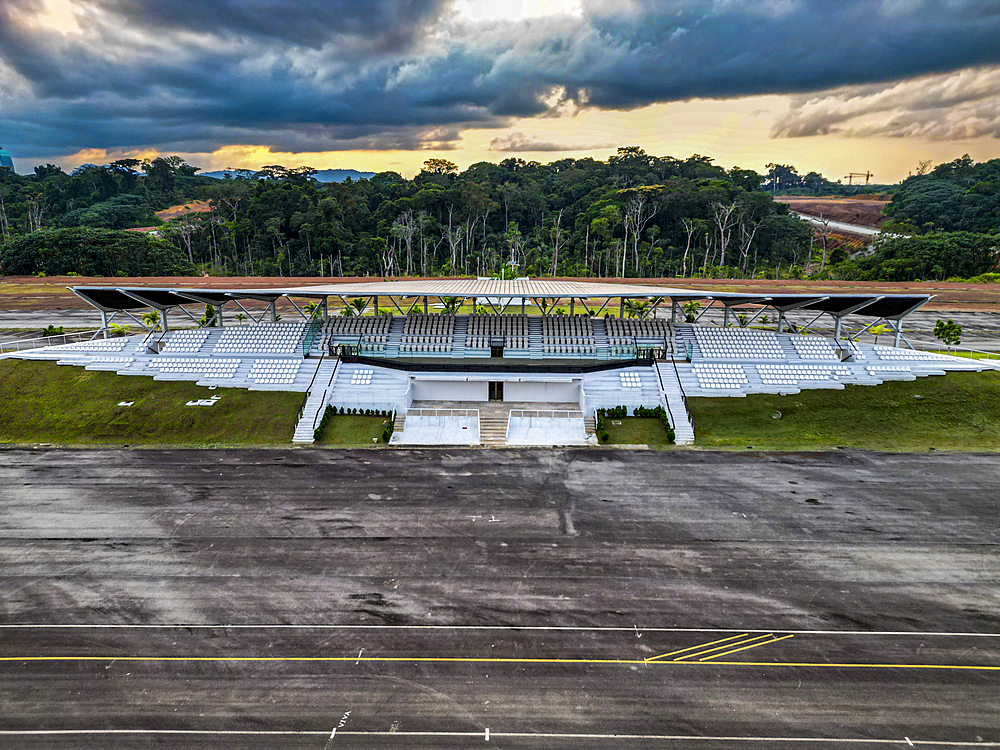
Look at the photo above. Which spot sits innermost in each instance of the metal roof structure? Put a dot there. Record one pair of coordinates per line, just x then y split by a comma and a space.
889, 306
495, 288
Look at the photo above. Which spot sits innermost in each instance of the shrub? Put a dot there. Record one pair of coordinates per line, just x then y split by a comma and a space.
327, 413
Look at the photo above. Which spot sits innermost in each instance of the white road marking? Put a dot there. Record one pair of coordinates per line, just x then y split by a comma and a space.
487, 734
359, 657
908, 741
544, 628
333, 733
505, 735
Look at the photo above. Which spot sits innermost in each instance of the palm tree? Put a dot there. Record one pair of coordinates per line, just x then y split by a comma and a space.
359, 304
240, 317
311, 309
152, 318
451, 304
691, 308
637, 308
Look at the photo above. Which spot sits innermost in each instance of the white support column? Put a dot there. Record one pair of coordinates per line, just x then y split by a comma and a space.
273, 308
899, 332
725, 317
674, 307
572, 306
621, 308
324, 311
104, 323
837, 328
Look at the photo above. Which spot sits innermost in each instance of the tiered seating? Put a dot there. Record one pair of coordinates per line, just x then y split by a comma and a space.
892, 353
362, 377
563, 334
372, 329
877, 370
97, 345
630, 379
275, 338
792, 374
123, 361
814, 347
274, 371
185, 342
206, 367
730, 377
737, 343
512, 328
623, 330
428, 333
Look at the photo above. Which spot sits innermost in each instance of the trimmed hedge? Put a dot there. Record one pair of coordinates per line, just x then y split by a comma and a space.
617, 412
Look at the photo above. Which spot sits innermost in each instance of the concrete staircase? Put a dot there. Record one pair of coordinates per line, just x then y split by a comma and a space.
315, 401
493, 426
676, 406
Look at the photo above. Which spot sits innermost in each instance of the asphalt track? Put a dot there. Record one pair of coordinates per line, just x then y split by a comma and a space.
510, 599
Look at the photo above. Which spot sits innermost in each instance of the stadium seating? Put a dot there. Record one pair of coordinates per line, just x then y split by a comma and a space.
737, 343
892, 353
274, 371
206, 367
564, 335
814, 347
720, 376
185, 342
277, 338
623, 331
787, 374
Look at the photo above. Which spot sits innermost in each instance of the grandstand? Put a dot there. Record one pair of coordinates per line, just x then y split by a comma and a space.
505, 376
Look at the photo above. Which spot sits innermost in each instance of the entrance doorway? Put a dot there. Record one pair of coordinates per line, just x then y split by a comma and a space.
496, 390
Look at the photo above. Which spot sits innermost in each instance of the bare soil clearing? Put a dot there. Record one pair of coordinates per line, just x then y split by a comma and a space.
865, 212
51, 293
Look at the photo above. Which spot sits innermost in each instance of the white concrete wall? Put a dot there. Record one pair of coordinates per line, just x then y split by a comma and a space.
526, 391
449, 390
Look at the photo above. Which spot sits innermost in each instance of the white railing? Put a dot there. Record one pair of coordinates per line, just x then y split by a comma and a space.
443, 413
547, 413
36, 343
991, 358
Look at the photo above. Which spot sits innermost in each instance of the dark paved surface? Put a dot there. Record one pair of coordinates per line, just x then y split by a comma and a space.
544, 595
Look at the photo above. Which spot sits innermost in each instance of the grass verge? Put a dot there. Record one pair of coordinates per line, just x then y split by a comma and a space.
42, 402
352, 429
959, 411
637, 431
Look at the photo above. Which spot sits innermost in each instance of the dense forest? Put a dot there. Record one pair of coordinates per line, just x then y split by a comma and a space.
634, 215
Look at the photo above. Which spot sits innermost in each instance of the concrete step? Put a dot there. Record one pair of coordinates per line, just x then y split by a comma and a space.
493, 428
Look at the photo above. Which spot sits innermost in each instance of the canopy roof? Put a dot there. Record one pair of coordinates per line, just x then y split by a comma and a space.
870, 305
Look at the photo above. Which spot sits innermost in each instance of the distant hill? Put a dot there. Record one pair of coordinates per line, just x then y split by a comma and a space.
323, 175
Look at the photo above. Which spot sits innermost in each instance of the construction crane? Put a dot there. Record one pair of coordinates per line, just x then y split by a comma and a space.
852, 175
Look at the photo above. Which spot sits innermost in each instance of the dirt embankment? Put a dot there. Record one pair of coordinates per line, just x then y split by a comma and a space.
194, 207
865, 212
30, 293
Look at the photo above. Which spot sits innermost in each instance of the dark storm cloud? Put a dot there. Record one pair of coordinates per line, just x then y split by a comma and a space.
337, 74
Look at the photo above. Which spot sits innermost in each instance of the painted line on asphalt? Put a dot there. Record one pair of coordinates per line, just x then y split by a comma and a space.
700, 645
720, 648
498, 660
494, 735
569, 628
744, 648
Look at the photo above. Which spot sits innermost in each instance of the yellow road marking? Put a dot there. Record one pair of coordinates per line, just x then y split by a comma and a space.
755, 645
498, 660
700, 645
719, 648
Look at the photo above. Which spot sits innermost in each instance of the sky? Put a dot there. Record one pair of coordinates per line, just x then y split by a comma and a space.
833, 86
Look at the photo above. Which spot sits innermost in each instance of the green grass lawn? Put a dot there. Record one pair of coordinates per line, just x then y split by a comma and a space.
959, 411
352, 429
42, 402
637, 431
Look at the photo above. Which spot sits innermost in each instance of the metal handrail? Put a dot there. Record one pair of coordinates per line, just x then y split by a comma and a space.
429, 412
552, 413
309, 390
680, 385
23, 344
326, 391
949, 347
